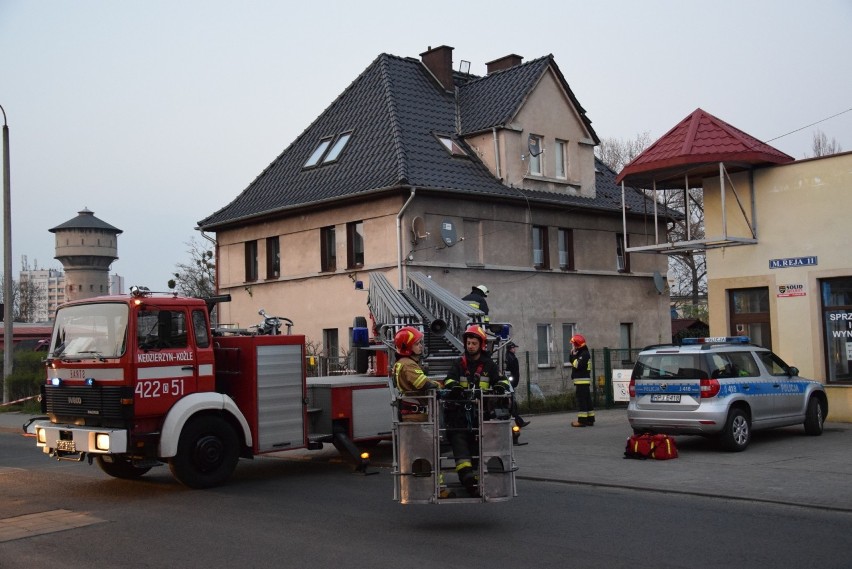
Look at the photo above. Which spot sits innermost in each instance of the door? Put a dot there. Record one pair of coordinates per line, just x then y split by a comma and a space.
749, 315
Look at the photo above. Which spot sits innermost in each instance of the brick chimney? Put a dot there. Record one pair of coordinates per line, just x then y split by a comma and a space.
504, 62
440, 62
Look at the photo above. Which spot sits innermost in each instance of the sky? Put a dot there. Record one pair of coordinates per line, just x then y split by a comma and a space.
156, 114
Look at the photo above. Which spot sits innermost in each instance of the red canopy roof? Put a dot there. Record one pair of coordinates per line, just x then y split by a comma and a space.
694, 148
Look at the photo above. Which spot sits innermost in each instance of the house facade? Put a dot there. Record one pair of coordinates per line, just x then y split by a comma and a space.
471, 180
793, 289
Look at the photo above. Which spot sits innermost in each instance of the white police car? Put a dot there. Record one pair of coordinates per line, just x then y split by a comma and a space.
722, 387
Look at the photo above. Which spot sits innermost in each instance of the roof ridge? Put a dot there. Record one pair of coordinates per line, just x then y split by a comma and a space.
402, 162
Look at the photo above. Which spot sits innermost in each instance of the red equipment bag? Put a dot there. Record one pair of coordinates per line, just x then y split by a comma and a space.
663, 447
646, 445
639, 446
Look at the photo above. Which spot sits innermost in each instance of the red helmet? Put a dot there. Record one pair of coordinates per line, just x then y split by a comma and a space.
476, 331
578, 340
405, 339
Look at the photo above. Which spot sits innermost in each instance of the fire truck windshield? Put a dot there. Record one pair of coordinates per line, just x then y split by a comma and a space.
96, 330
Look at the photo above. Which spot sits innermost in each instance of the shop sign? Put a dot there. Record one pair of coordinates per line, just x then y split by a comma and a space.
796, 289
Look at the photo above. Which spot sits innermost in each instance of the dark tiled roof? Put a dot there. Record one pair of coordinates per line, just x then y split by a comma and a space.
694, 147
86, 220
394, 110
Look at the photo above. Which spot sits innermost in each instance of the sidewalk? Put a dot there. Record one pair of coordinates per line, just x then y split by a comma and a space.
780, 466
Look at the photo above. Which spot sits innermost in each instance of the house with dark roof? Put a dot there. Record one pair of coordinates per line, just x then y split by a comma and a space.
469, 179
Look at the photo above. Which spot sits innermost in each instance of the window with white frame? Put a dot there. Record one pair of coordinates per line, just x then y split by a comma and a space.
544, 341
541, 256
560, 159
566, 249
622, 259
536, 153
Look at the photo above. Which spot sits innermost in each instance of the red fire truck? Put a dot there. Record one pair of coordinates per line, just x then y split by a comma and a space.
135, 381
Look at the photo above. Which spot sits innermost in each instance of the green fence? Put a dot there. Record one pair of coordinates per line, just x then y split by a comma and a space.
551, 389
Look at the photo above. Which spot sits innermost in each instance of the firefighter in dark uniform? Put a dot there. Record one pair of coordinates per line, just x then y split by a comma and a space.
581, 360
513, 370
408, 376
476, 299
477, 372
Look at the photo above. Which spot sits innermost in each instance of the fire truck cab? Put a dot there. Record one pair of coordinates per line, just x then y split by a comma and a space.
139, 380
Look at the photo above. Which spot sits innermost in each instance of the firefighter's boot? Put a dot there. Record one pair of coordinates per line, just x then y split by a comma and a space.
469, 480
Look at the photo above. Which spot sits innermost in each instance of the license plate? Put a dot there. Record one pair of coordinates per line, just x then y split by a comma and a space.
665, 398
66, 446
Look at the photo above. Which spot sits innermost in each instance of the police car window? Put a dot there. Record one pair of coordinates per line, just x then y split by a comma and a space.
773, 363
743, 364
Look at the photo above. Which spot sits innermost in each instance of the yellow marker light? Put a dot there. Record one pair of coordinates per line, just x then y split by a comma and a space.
365, 455
516, 429
41, 436
102, 441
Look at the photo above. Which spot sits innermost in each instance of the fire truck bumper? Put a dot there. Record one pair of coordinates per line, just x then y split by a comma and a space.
70, 440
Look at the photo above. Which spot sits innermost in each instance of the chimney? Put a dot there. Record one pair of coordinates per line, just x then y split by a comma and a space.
504, 62
440, 62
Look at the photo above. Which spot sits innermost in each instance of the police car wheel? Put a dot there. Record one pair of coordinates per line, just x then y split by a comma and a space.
737, 432
814, 417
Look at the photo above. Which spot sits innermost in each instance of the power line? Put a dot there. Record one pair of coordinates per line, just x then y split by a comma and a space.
810, 125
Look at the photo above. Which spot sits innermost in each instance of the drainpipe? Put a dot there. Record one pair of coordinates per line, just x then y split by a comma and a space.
399, 237
496, 153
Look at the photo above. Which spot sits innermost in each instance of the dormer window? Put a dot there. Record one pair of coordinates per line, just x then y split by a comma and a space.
326, 152
451, 145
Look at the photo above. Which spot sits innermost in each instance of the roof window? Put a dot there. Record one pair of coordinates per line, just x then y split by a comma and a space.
451, 145
326, 152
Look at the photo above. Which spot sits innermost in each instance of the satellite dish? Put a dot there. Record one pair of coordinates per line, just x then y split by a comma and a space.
448, 232
534, 145
659, 283
418, 228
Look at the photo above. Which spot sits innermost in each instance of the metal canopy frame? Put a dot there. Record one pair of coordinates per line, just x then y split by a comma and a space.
698, 245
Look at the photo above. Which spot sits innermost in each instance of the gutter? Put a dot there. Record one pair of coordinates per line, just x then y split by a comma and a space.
399, 238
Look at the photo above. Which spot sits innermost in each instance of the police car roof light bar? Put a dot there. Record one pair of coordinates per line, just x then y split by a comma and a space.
717, 340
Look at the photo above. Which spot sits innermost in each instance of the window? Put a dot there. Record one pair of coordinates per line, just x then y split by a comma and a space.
326, 152
566, 249
328, 254
568, 330
749, 314
451, 145
535, 148
836, 297
251, 260
560, 157
161, 329
338, 147
625, 341
539, 245
273, 258
544, 333
318, 152
199, 327
355, 244
622, 259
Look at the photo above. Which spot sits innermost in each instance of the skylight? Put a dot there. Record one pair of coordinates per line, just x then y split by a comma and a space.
451, 145
326, 152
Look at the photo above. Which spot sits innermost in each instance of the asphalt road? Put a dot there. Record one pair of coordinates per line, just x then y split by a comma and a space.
311, 510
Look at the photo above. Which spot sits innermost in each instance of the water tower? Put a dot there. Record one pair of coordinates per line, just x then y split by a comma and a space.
86, 246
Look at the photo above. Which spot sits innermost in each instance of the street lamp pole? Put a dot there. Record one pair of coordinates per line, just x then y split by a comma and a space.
8, 325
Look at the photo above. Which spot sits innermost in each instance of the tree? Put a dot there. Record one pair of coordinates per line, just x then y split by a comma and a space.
27, 299
196, 277
821, 145
617, 153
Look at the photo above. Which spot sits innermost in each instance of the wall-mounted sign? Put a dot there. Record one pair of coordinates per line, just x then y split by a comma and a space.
792, 262
795, 289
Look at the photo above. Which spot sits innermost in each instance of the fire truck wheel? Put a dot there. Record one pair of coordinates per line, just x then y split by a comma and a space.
120, 467
207, 453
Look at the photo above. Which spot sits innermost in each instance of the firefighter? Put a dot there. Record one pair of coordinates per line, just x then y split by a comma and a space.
476, 299
470, 374
581, 361
513, 368
408, 376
